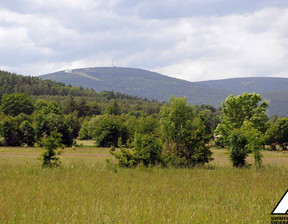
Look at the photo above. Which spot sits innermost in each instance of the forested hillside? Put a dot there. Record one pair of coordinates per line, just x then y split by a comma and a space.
155, 86
141, 83
13, 83
56, 91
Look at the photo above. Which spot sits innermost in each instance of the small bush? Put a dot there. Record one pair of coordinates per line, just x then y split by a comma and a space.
147, 150
50, 157
238, 152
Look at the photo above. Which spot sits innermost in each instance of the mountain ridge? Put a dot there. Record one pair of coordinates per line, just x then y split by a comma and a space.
156, 86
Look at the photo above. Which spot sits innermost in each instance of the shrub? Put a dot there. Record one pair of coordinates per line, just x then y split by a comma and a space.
50, 157
147, 150
238, 152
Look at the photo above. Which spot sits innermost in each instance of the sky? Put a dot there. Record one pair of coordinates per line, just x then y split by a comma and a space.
194, 40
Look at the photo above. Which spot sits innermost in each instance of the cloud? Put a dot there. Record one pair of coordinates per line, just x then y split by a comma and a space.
192, 40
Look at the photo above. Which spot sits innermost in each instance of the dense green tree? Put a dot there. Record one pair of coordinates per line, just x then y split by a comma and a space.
47, 123
9, 130
281, 126
94, 109
73, 123
184, 134
83, 107
50, 157
238, 150
28, 133
255, 140
271, 136
148, 149
70, 105
83, 133
108, 130
113, 109
243, 120
16, 103
237, 109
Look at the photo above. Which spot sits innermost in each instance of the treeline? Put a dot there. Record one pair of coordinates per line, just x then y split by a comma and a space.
54, 91
177, 134
137, 130
23, 116
13, 83
25, 121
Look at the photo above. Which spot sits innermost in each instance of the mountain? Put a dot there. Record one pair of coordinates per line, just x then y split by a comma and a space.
273, 90
155, 86
251, 84
138, 82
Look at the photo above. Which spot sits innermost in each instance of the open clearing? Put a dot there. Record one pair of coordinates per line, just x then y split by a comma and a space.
85, 190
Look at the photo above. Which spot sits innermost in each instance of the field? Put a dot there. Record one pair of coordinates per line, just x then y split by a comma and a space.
85, 190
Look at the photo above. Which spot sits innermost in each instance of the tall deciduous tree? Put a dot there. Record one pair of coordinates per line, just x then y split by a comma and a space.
243, 117
184, 134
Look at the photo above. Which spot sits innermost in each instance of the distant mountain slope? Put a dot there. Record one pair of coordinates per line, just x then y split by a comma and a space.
155, 86
140, 83
252, 84
278, 102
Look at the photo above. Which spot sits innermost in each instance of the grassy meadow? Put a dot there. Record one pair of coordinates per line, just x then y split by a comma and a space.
85, 190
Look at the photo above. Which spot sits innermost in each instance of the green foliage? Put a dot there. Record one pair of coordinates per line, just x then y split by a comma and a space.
184, 133
271, 136
210, 117
70, 105
147, 150
237, 109
238, 150
108, 130
83, 133
46, 107
281, 126
243, 127
125, 157
50, 157
94, 109
28, 133
12, 83
255, 141
45, 124
9, 129
113, 109
73, 123
16, 103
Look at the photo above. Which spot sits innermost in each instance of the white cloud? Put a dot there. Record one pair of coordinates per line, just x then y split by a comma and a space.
41, 36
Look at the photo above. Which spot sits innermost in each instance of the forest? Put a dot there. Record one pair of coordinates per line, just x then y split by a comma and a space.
172, 133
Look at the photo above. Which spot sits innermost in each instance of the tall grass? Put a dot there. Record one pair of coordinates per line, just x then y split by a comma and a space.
83, 190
